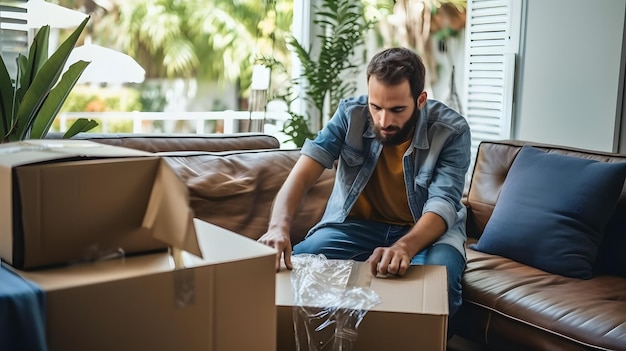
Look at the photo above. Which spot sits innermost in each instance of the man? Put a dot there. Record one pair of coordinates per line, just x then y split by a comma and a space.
396, 199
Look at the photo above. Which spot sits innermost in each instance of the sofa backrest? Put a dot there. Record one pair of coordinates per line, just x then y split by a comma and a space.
236, 189
493, 160
182, 142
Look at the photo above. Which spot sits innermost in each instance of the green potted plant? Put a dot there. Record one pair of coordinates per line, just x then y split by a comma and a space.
342, 27
30, 102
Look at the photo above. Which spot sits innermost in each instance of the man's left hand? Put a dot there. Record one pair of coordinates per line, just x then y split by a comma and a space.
394, 260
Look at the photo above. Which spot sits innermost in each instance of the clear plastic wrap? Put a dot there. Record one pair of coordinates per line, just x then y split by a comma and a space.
331, 299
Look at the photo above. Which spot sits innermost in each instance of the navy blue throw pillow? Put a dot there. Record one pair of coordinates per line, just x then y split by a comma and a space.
553, 211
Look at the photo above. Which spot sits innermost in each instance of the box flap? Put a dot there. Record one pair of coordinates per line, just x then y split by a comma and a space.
40, 150
219, 245
168, 213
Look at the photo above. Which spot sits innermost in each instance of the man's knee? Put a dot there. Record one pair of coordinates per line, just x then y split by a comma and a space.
445, 255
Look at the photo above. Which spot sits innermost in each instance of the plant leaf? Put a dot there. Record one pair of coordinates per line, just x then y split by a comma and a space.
80, 125
44, 81
22, 65
37, 56
52, 105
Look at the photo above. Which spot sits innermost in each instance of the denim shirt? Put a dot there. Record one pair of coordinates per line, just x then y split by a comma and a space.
434, 165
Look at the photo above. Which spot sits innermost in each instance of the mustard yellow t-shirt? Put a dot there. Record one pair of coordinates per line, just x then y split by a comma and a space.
384, 198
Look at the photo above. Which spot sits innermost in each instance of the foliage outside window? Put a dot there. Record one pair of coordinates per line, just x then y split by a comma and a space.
329, 64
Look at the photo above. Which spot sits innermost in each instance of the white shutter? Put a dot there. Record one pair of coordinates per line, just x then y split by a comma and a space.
492, 33
13, 33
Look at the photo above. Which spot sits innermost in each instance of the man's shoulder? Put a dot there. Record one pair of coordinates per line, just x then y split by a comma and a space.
439, 112
355, 101
353, 107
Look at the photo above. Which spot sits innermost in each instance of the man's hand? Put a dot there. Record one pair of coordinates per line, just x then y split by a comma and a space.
396, 259
282, 243
393, 260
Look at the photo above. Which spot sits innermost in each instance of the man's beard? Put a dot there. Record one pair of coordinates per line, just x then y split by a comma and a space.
402, 133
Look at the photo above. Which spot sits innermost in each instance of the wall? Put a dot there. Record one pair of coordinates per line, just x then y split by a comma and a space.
569, 78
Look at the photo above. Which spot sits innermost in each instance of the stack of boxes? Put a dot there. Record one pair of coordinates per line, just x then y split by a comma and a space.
108, 235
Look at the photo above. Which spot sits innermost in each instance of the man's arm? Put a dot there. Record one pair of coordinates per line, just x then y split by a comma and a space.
448, 189
304, 174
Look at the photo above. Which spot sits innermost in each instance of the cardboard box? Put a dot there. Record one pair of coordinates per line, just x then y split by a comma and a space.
222, 302
412, 314
72, 200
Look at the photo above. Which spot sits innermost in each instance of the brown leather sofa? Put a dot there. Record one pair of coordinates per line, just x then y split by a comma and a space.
507, 305
511, 306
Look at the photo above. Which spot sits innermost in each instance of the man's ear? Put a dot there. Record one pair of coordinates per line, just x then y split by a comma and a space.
421, 99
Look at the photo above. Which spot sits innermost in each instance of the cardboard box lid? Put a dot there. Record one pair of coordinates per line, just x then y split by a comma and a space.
168, 213
419, 291
40, 150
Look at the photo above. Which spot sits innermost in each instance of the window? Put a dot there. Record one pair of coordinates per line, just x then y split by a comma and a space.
13, 33
492, 43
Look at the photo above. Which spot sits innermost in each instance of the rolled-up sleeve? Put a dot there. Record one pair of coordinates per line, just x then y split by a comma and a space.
446, 189
325, 148
317, 152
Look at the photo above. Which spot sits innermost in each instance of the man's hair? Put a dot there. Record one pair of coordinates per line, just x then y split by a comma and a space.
392, 66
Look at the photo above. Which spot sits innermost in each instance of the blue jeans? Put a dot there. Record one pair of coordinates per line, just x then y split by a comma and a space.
356, 240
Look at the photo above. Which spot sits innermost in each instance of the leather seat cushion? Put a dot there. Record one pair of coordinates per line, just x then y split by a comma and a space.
513, 301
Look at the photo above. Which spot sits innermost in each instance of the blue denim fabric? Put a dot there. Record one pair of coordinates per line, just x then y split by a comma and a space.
434, 165
353, 239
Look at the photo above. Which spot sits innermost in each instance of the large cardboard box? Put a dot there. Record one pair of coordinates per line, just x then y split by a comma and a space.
412, 313
224, 301
72, 200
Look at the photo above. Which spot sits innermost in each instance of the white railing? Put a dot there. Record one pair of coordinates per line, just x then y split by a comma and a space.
274, 120
270, 122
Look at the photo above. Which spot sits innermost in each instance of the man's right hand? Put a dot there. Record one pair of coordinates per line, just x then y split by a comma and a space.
282, 243
302, 176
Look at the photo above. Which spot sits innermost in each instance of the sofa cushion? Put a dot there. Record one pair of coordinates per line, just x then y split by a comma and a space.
552, 211
236, 189
511, 306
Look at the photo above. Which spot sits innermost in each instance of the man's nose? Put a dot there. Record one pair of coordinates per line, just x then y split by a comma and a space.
385, 119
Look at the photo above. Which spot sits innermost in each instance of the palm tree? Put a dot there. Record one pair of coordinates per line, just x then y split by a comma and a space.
213, 40
416, 23
193, 41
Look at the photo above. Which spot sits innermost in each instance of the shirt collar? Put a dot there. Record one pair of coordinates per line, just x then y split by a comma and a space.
420, 138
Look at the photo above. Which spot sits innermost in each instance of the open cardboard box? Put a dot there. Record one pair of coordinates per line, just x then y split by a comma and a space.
72, 200
412, 313
224, 301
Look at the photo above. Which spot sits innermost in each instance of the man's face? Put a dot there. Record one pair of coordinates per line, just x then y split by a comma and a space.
392, 110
